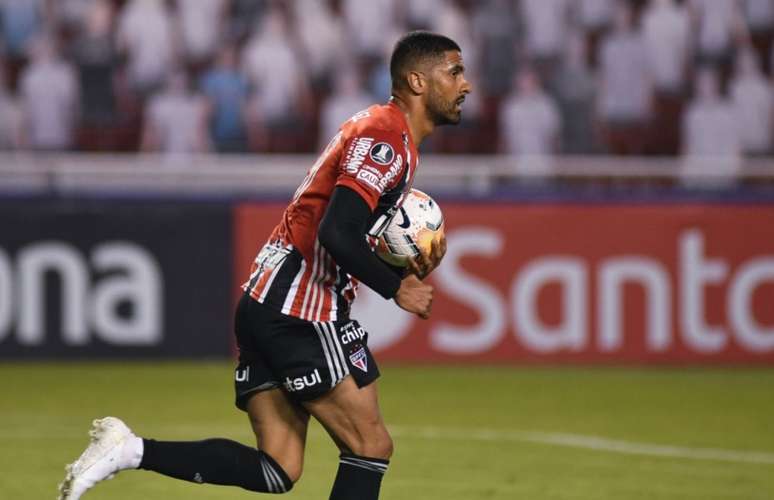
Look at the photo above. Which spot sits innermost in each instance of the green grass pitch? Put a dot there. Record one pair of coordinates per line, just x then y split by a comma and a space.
460, 432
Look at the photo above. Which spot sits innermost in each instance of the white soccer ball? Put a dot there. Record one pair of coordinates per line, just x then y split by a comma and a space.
412, 230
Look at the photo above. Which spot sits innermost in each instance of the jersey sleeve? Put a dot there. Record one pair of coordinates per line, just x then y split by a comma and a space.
372, 162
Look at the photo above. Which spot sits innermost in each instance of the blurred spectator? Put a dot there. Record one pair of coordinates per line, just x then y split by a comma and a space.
709, 125
419, 15
370, 24
201, 26
666, 29
625, 89
453, 21
595, 17
20, 21
496, 33
321, 35
752, 97
11, 125
348, 98
574, 86
545, 25
176, 119
49, 92
717, 24
280, 92
145, 36
759, 15
245, 16
95, 56
226, 90
71, 15
529, 119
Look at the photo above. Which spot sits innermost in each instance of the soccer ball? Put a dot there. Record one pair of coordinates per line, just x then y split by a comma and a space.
412, 230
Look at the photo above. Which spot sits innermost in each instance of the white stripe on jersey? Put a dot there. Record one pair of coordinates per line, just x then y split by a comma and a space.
332, 289
309, 284
320, 265
326, 264
294, 289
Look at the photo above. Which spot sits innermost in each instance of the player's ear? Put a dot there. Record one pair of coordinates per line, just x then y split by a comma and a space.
417, 82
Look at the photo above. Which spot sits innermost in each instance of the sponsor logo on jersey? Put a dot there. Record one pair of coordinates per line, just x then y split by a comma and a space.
351, 332
382, 153
369, 178
299, 383
390, 175
359, 359
357, 154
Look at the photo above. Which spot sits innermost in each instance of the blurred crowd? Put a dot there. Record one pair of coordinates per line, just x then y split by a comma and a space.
629, 77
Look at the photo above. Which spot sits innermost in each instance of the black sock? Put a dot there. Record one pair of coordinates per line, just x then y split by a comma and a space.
359, 478
216, 461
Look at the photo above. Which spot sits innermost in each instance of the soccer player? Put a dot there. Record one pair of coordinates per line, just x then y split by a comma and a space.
300, 354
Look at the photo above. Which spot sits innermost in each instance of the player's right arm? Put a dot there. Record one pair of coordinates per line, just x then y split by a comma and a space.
342, 233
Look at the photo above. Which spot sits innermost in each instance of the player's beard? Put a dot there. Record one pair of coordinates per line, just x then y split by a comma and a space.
442, 112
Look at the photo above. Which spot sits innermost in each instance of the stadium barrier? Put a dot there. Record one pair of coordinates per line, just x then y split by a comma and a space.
142, 257
101, 279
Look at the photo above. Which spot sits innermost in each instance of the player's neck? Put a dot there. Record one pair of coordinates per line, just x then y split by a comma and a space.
420, 125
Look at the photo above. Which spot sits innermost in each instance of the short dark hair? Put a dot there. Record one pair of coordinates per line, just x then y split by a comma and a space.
415, 47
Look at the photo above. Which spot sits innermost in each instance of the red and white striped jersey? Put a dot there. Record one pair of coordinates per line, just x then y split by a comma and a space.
374, 155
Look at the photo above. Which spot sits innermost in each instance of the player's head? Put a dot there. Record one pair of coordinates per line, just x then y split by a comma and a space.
429, 66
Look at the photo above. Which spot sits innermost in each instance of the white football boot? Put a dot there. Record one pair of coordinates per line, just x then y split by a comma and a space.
113, 448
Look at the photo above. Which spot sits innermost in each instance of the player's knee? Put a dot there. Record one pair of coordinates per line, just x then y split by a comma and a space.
277, 475
375, 445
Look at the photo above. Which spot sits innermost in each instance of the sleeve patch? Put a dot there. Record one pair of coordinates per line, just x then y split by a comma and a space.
382, 153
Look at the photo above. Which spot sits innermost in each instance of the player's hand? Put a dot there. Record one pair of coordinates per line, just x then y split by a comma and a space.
425, 264
414, 296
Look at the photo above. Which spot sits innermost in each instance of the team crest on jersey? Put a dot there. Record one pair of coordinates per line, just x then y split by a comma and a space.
359, 359
382, 153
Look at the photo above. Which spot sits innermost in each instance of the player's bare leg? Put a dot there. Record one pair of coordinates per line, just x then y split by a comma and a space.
280, 428
352, 416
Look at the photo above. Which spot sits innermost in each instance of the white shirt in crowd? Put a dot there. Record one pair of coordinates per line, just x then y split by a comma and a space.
666, 30
145, 33
49, 92
177, 122
546, 23
751, 95
626, 87
593, 14
370, 24
716, 22
759, 14
710, 123
348, 98
321, 35
273, 69
529, 124
200, 25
